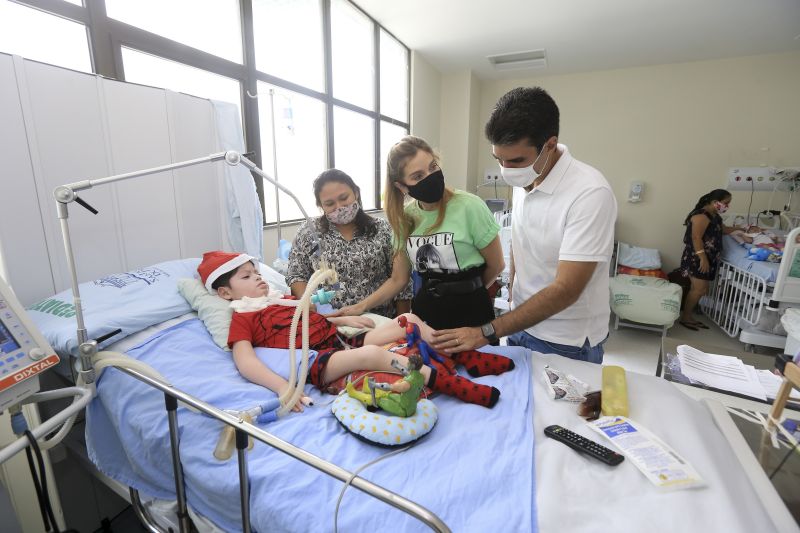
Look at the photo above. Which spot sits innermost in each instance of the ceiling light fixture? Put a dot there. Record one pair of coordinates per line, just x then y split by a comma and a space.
519, 60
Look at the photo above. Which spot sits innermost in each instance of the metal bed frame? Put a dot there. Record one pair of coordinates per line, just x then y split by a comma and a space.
67, 194
735, 298
242, 430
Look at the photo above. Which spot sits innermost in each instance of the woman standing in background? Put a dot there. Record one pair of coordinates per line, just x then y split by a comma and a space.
357, 245
702, 249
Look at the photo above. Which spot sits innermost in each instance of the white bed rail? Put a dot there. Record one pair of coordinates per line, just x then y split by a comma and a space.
243, 429
735, 295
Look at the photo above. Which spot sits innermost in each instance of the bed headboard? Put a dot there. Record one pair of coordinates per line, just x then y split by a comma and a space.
61, 126
761, 220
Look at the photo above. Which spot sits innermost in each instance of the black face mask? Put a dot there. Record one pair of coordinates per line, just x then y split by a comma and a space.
429, 190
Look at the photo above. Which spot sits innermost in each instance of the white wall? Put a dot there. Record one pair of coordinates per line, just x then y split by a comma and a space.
676, 127
426, 88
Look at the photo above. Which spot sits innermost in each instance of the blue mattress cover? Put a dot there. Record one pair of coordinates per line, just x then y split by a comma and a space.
736, 254
475, 469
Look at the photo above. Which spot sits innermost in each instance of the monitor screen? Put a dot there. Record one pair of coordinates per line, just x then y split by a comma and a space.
496, 204
7, 342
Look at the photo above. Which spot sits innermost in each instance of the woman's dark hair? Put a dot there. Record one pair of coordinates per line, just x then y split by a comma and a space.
364, 223
717, 195
523, 113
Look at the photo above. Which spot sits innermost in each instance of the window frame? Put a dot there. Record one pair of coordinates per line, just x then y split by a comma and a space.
107, 36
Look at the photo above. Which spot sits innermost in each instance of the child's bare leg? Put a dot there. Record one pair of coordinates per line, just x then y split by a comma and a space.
375, 358
392, 331
344, 362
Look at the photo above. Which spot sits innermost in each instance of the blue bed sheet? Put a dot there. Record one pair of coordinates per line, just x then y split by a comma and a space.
475, 470
736, 254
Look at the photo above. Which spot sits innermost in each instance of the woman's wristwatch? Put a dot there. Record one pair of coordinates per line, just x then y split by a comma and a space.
487, 330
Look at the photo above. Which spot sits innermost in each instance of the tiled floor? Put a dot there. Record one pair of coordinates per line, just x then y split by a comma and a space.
637, 350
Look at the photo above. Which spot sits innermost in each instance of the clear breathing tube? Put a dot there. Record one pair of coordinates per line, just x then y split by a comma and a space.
295, 389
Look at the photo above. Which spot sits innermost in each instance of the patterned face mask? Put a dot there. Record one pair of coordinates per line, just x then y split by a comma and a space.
720, 207
344, 215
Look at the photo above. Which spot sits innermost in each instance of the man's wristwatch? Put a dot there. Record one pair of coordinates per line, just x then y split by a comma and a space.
487, 330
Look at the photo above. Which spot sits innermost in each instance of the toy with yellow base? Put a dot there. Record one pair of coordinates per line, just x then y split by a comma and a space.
408, 418
399, 398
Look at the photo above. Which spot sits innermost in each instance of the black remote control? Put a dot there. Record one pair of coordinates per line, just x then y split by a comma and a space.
584, 445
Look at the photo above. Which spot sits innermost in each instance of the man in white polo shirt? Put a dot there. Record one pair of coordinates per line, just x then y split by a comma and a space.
562, 237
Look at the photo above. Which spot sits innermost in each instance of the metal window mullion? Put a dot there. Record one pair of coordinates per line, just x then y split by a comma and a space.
152, 43
252, 120
327, 39
60, 9
376, 50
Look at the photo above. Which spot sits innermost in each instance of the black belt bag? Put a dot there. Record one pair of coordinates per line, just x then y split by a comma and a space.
438, 287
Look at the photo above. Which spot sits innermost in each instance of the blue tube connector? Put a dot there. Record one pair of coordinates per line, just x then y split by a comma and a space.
18, 423
322, 297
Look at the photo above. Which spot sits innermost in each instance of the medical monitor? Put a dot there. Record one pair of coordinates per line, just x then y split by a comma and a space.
496, 204
24, 353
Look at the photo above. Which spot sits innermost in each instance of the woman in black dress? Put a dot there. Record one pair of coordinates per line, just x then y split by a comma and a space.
702, 249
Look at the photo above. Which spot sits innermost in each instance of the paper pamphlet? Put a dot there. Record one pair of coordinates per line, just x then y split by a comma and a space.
720, 371
657, 461
772, 382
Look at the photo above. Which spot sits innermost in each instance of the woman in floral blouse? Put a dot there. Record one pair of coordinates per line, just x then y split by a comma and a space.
702, 249
357, 245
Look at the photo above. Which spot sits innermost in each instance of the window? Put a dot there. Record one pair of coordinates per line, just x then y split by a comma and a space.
300, 149
321, 59
353, 60
213, 26
355, 152
394, 78
151, 70
390, 135
295, 25
31, 33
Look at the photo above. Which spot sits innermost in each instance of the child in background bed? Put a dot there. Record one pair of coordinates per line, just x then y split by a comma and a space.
266, 321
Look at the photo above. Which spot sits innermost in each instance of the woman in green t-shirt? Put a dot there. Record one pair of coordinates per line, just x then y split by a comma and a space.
448, 237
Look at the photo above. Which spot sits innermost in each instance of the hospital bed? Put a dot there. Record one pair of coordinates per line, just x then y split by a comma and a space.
742, 287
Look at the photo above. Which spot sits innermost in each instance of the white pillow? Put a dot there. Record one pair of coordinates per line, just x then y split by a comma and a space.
213, 310
636, 257
130, 301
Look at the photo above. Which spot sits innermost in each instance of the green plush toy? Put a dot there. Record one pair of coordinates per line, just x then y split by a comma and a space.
399, 398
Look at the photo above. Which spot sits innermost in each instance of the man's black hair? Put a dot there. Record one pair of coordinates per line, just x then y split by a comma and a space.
523, 113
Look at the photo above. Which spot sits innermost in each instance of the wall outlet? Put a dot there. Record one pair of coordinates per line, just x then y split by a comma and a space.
492, 176
752, 178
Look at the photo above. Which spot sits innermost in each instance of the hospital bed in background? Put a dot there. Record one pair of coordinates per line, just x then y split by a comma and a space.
738, 296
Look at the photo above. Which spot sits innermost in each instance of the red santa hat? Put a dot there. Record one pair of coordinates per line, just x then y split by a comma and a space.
215, 264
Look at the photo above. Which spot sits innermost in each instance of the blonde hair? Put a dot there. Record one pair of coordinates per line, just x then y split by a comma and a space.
402, 223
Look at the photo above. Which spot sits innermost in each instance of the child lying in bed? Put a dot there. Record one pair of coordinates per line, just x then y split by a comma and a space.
761, 245
265, 322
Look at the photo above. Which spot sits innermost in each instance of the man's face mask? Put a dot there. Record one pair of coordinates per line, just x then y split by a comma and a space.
524, 176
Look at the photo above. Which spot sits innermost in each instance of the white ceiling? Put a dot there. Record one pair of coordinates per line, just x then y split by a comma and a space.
586, 35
